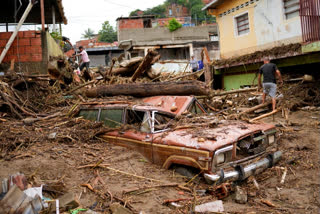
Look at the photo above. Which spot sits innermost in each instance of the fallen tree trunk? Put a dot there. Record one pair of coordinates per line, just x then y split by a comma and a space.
150, 89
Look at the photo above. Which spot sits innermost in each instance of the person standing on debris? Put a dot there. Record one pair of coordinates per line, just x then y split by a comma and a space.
193, 64
269, 71
85, 61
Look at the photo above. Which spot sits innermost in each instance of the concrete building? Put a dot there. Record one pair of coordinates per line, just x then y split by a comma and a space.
259, 28
137, 37
30, 50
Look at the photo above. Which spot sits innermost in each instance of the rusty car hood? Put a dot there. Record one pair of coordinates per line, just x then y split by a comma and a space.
165, 103
210, 139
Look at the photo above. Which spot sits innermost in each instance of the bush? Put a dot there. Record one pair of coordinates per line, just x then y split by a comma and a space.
174, 25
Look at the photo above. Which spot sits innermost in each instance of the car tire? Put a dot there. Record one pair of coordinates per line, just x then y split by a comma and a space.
188, 172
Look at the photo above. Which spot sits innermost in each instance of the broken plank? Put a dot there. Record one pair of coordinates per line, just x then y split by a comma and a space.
145, 64
215, 94
264, 115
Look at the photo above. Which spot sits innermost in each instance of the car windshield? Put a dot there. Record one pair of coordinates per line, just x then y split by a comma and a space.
162, 121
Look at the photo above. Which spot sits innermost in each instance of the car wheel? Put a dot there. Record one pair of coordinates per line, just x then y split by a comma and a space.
188, 172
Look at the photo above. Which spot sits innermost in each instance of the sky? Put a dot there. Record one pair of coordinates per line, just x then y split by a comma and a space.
84, 14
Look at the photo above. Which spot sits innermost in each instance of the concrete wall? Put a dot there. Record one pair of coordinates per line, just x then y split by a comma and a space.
161, 35
267, 22
97, 60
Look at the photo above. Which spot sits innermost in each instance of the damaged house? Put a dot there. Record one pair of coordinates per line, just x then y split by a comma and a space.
286, 31
137, 34
29, 50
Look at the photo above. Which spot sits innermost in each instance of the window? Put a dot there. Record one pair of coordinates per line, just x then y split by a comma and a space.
111, 117
291, 8
162, 122
89, 114
195, 108
242, 24
139, 119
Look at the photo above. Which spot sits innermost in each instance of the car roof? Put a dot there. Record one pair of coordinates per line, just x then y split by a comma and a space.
174, 105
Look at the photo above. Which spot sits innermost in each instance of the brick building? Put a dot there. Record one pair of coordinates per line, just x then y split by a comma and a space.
31, 50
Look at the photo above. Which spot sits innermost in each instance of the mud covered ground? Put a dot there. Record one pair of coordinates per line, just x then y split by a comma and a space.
54, 163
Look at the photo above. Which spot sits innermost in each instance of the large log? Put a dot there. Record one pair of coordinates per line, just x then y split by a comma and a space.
150, 89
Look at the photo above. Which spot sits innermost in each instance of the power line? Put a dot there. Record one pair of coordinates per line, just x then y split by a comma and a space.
122, 5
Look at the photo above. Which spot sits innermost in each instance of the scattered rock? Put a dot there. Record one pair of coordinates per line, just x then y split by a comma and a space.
215, 206
241, 196
117, 208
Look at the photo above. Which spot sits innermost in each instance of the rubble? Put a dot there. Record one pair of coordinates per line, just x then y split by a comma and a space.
240, 195
38, 128
211, 207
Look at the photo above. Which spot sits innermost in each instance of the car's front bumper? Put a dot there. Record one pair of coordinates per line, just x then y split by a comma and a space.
242, 172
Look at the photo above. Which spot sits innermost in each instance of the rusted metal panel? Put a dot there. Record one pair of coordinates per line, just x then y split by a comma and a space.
165, 103
310, 20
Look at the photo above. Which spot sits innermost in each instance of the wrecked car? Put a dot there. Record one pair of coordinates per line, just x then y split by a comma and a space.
177, 131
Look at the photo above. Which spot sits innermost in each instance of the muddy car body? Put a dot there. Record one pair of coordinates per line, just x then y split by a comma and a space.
225, 150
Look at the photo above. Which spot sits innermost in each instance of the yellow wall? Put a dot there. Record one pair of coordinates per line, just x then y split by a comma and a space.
53, 48
229, 40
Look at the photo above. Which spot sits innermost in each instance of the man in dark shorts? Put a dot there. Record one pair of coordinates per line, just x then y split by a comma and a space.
269, 71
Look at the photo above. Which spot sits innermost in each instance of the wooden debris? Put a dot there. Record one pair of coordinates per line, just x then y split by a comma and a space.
129, 191
214, 94
264, 115
269, 203
284, 175
29, 121
167, 201
145, 64
102, 165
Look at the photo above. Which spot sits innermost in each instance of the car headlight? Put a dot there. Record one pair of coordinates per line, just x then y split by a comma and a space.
271, 139
221, 158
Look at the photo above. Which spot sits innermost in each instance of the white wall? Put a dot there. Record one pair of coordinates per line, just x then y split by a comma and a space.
271, 26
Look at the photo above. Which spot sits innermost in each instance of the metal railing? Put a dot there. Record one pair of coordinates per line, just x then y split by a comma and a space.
310, 20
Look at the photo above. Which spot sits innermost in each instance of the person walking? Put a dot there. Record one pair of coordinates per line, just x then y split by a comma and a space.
193, 64
269, 72
85, 61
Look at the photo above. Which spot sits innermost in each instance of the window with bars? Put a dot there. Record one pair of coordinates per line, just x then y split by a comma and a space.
242, 24
291, 8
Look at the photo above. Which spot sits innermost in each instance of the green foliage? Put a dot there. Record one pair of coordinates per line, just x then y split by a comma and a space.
88, 34
134, 13
159, 11
174, 25
194, 7
107, 33
56, 35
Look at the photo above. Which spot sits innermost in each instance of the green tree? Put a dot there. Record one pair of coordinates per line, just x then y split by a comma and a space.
134, 13
107, 33
88, 34
159, 11
174, 25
